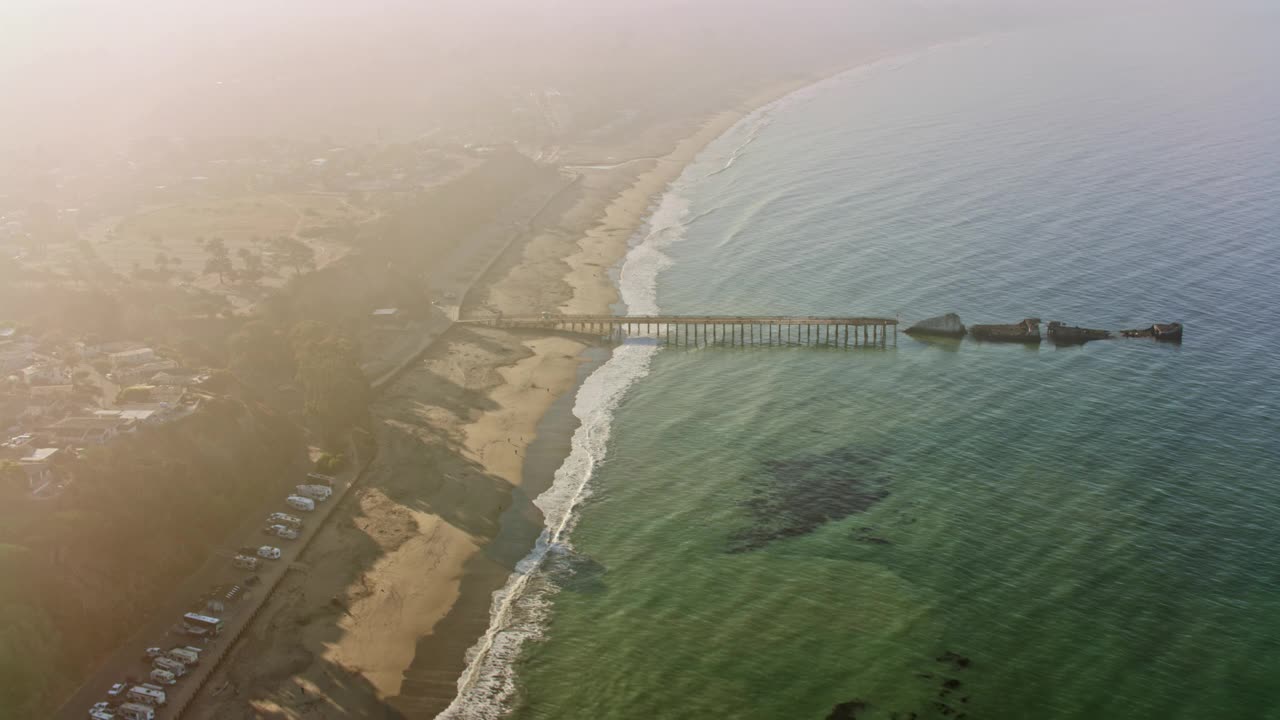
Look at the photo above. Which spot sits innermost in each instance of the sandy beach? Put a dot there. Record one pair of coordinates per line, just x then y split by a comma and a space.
388, 599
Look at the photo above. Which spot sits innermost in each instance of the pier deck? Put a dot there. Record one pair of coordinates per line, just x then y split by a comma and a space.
700, 330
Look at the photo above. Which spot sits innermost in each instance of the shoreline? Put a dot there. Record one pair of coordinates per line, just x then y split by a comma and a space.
593, 276
400, 588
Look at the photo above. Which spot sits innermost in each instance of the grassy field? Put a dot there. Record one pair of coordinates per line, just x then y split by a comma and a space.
176, 231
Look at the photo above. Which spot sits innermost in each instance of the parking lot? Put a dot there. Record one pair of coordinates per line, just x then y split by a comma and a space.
219, 573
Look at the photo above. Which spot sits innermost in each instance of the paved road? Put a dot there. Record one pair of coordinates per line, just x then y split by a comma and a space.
454, 277
159, 630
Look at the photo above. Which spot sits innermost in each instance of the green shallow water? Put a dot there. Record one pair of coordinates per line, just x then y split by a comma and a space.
1093, 528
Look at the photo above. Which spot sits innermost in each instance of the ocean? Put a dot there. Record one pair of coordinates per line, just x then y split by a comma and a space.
935, 530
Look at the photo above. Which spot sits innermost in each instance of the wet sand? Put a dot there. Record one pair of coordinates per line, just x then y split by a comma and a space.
377, 620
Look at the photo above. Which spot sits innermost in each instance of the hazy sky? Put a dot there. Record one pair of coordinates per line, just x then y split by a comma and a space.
86, 70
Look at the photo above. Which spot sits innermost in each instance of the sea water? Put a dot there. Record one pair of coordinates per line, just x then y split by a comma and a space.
944, 529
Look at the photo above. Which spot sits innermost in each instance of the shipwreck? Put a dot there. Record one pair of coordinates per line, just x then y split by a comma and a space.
1027, 331
1169, 332
1063, 334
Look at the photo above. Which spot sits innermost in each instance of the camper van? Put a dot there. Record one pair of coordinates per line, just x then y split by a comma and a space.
279, 518
244, 562
268, 552
319, 493
136, 711
164, 677
283, 532
167, 663
146, 695
300, 503
184, 656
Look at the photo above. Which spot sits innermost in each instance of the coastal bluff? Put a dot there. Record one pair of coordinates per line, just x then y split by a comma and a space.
948, 325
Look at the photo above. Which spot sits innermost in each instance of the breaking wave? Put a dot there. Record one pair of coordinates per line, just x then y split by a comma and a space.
519, 609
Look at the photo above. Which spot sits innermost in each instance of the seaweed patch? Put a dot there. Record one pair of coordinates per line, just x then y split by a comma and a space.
794, 497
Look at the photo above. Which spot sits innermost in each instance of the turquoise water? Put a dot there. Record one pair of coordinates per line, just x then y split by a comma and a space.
777, 531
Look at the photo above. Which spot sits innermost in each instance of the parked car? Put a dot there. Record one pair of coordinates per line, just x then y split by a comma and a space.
298, 502
101, 711
152, 653
116, 691
269, 553
281, 531
245, 562
279, 518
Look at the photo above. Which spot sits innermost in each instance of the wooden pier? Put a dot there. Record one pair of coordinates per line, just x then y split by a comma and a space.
704, 330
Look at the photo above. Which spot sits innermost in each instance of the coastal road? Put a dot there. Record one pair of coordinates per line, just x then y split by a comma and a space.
453, 280
159, 630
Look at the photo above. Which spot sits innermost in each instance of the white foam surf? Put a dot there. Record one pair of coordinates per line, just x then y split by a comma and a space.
487, 686
518, 612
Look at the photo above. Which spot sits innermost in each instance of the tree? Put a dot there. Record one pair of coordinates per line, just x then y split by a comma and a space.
335, 391
253, 269
219, 260
13, 479
294, 253
260, 355
162, 262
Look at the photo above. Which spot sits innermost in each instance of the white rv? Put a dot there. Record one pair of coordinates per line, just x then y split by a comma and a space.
281, 531
135, 711
147, 695
297, 502
184, 656
279, 518
319, 493
168, 663
245, 562
164, 677
268, 552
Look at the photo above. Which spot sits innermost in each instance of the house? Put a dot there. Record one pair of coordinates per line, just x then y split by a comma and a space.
85, 430
38, 467
134, 416
45, 373
15, 355
51, 391
387, 317
181, 377
129, 375
129, 358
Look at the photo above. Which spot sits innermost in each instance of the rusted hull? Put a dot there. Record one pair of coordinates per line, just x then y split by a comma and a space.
1027, 331
1061, 334
1166, 332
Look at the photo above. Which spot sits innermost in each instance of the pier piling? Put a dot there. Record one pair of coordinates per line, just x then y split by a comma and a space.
709, 330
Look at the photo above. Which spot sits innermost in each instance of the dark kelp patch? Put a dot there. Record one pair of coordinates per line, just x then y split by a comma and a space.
948, 698
575, 572
794, 497
847, 710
